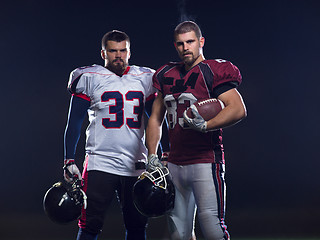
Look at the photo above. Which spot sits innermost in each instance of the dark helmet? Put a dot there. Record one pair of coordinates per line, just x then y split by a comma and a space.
63, 202
154, 193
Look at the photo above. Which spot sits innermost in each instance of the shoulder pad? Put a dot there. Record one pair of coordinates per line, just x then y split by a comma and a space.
81, 70
138, 69
146, 70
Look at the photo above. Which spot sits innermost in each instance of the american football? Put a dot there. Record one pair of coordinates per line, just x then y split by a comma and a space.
208, 108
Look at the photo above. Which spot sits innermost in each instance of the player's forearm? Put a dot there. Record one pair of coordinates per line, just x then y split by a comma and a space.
153, 135
233, 112
227, 117
77, 111
164, 141
153, 132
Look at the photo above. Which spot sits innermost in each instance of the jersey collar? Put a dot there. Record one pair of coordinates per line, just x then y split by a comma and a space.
126, 71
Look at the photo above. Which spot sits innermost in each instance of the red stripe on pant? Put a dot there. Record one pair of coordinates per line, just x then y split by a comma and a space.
82, 220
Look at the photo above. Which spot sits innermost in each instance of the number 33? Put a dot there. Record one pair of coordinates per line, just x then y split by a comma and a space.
118, 109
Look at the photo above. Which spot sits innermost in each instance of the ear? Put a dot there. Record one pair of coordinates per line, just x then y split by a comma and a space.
103, 54
129, 54
202, 40
175, 45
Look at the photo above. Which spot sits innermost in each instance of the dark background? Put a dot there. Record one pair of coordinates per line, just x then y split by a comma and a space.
272, 155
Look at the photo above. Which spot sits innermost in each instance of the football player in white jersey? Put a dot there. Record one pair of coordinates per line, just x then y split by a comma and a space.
114, 97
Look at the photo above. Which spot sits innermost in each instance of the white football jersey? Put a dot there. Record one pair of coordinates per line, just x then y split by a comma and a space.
115, 134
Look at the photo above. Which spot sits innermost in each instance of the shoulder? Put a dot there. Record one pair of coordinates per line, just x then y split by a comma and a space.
221, 71
93, 69
167, 67
219, 63
221, 66
79, 77
138, 70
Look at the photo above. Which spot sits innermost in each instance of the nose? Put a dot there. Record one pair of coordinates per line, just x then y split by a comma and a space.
185, 46
118, 54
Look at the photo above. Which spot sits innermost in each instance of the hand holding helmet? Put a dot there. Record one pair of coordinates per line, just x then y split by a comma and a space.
71, 172
153, 163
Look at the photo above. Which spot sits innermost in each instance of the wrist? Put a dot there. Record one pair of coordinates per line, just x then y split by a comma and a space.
205, 127
152, 155
165, 154
68, 162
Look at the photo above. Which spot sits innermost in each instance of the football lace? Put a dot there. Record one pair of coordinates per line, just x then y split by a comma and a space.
207, 101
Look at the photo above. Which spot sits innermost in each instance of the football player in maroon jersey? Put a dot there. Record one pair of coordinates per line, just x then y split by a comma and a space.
196, 159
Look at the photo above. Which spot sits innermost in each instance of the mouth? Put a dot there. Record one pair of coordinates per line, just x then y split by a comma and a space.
118, 60
187, 54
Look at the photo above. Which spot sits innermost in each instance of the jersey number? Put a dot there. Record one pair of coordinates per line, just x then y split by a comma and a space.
118, 109
175, 108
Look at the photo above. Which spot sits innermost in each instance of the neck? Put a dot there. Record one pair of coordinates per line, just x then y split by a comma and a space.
117, 70
199, 59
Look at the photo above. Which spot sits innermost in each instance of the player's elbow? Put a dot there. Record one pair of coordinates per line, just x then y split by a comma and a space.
242, 112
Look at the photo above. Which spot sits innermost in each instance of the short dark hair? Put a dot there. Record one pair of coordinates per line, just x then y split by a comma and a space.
114, 35
187, 26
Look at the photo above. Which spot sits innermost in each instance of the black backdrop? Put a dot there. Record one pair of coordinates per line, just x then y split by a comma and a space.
272, 156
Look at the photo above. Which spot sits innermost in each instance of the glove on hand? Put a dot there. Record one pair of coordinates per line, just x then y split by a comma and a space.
153, 163
196, 123
70, 171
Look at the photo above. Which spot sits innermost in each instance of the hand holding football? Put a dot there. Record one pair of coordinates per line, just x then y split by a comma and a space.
208, 108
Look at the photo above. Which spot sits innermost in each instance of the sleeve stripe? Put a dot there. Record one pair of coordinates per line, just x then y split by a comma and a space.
73, 84
83, 96
207, 75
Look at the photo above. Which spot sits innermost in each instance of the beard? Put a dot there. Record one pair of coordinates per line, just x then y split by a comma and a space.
117, 67
189, 59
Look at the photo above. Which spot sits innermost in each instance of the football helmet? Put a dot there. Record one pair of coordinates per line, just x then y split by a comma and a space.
154, 193
63, 202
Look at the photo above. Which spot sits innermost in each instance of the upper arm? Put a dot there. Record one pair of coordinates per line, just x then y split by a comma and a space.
232, 99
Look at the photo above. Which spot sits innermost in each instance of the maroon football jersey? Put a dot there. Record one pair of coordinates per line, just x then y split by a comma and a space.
180, 89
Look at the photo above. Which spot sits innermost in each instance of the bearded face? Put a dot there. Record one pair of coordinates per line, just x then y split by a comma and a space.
189, 48
116, 56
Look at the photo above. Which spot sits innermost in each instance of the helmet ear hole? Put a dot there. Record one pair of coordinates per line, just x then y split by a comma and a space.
63, 203
154, 193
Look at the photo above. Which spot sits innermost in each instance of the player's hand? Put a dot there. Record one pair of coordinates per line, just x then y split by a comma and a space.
153, 163
196, 123
70, 171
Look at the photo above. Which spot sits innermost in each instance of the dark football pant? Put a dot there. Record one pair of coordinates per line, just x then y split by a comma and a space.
101, 188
